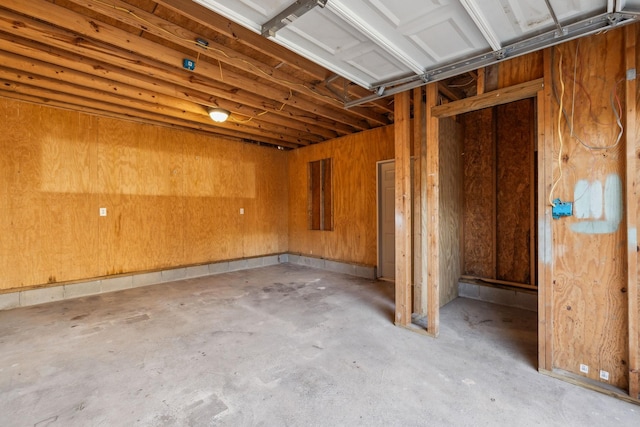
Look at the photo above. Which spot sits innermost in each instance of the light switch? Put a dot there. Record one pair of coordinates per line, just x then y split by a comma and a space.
103, 211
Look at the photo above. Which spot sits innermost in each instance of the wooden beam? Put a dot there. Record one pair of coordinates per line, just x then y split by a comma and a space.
211, 20
65, 41
480, 82
419, 202
403, 207
175, 34
37, 73
240, 34
143, 48
444, 89
489, 99
632, 144
19, 81
148, 85
433, 201
545, 241
49, 102
19, 88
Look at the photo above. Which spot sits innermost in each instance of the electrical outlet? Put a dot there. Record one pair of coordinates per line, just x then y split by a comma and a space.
103, 211
604, 375
241, 211
584, 369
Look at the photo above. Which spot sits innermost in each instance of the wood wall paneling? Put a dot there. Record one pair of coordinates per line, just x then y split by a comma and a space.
450, 208
631, 201
141, 184
514, 159
47, 226
173, 197
520, 69
479, 194
498, 202
354, 236
590, 309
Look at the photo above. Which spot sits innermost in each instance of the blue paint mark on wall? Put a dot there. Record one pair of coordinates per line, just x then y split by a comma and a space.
591, 202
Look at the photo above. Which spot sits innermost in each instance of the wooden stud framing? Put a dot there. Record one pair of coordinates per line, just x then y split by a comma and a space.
489, 99
433, 202
631, 203
419, 202
545, 241
480, 82
403, 208
532, 201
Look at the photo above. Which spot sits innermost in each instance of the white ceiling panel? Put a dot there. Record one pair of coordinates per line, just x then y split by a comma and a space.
378, 43
445, 33
512, 19
327, 39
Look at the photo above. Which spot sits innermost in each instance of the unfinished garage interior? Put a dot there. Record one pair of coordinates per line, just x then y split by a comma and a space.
331, 212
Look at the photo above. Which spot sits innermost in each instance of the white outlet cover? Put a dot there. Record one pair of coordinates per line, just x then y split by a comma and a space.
241, 211
103, 211
604, 375
584, 369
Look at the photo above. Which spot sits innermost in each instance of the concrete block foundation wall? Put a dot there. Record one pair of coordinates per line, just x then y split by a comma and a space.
31, 297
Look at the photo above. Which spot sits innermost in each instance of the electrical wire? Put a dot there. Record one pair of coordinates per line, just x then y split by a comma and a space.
219, 51
463, 84
259, 114
614, 101
561, 140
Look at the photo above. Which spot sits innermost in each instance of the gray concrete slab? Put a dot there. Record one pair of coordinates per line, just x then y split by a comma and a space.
283, 345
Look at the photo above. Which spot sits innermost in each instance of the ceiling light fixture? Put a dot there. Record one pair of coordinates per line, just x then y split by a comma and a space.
219, 114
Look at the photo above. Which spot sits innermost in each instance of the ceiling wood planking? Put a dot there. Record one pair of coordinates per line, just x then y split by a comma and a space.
127, 14
108, 71
93, 57
142, 47
238, 34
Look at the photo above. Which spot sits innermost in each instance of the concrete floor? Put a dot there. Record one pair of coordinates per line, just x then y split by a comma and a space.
279, 346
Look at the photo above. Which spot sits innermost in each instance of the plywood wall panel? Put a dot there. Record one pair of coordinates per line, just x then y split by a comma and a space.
450, 208
514, 159
589, 273
636, 324
354, 238
141, 184
479, 193
173, 198
42, 207
521, 69
265, 222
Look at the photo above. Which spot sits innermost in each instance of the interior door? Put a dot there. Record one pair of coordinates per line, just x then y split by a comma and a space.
386, 220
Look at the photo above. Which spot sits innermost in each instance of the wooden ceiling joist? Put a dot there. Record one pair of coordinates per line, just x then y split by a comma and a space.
127, 54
